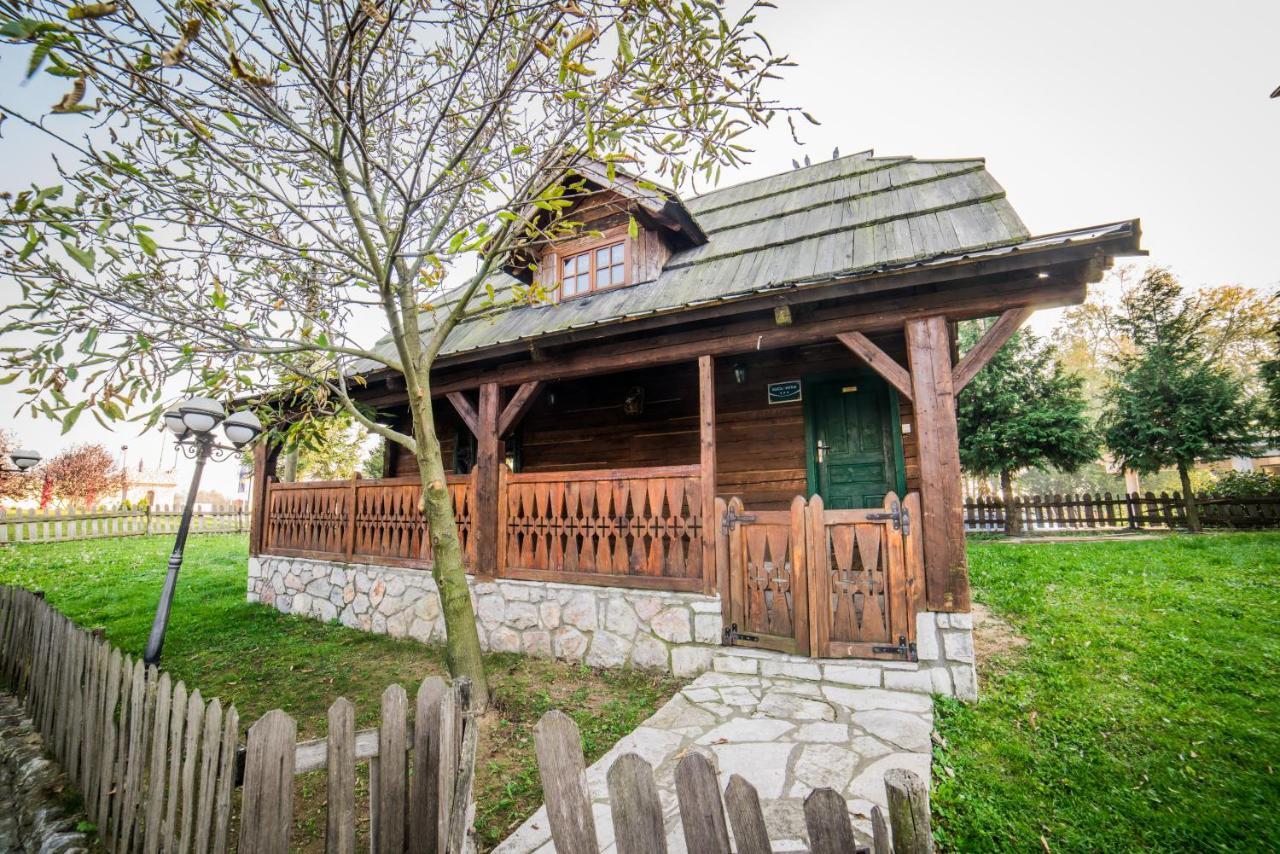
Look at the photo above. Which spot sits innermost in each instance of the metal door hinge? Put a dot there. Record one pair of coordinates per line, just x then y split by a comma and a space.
731, 519
904, 649
732, 636
894, 513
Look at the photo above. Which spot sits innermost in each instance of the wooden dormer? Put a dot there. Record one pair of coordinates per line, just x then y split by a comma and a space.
585, 264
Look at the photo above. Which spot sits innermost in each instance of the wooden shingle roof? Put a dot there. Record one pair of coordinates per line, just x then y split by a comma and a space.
836, 220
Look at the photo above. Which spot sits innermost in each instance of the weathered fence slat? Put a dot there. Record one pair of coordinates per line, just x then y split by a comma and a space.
701, 810
266, 814
340, 832
908, 812
827, 819
558, 746
743, 804
636, 809
391, 772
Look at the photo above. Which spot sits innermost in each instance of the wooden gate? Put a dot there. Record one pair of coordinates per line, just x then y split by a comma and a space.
768, 578
865, 579
827, 583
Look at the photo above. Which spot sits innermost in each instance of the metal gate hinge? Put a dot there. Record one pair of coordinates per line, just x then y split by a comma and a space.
904, 649
732, 636
731, 519
895, 513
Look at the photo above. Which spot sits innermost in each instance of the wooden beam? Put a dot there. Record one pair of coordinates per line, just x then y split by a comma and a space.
518, 406
465, 411
747, 336
484, 532
988, 345
945, 568
880, 361
265, 456
707, 469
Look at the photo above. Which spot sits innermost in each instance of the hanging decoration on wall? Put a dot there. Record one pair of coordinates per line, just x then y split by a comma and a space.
633, 404
786, 391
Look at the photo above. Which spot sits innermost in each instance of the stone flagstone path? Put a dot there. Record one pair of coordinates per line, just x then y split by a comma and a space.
786, 736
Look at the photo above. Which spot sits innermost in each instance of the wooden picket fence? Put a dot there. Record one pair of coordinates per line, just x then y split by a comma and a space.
637, 813
1133, 511
47, 526
158, 768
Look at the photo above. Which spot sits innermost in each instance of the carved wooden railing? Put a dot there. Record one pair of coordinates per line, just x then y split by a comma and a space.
362, 521
621, 527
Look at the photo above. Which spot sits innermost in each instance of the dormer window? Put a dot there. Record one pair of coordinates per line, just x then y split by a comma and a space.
597, 268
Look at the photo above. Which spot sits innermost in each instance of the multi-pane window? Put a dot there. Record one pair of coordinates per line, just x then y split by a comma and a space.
593, 270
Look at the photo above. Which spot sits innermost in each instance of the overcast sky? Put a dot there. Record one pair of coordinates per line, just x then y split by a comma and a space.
1086, 112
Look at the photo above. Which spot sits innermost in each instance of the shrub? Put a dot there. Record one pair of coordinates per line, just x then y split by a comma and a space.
1245, 484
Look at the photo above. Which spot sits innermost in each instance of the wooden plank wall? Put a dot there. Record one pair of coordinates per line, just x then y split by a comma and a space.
760, 448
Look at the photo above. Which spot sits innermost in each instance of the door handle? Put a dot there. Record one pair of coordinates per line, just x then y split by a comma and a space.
823, 447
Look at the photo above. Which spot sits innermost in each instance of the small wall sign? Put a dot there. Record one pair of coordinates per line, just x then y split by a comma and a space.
787, 391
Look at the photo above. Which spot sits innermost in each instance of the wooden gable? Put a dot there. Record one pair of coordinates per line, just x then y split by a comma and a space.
609, 212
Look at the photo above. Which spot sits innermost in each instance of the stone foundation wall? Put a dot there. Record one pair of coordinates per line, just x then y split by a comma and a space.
601, 626
944, 646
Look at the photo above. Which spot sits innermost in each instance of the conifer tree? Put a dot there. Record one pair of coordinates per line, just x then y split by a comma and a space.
1169, 402
1023, 409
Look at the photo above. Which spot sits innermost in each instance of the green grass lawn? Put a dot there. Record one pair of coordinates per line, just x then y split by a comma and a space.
259, 659
1144, 711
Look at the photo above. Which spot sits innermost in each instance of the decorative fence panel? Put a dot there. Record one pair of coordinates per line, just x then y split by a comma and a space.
633, 527
1105, 511
157, 767
372, 521
46, 526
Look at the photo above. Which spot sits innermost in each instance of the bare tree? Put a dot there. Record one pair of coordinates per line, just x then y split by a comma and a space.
248, 180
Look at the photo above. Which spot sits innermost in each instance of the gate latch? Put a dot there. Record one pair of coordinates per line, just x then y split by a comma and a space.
894, 513
904, 649
732, 636
732, 518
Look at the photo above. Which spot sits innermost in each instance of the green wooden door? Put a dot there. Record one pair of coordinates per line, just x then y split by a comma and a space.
855, 452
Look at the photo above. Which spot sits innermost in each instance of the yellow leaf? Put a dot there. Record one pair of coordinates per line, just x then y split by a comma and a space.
92, 11
72, 99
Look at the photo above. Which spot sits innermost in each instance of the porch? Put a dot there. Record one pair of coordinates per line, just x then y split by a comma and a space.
806, 580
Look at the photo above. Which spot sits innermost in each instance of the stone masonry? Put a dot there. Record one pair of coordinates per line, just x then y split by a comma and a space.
601, 626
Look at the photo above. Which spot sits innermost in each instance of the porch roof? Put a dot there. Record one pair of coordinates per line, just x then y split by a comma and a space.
839, 220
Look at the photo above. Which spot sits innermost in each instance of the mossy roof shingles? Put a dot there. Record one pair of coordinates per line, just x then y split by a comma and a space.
837, 219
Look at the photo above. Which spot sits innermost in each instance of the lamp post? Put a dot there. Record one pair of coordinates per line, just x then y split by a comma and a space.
193, 422
22, 462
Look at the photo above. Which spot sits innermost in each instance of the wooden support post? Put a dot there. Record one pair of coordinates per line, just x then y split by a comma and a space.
707, 464
264, 471
484, 531
946, 570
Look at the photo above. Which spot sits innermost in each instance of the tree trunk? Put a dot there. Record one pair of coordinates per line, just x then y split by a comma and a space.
1189, 499
290, 473
1012, 520
462, 640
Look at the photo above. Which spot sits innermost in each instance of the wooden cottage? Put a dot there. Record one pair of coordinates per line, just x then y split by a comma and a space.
733, 430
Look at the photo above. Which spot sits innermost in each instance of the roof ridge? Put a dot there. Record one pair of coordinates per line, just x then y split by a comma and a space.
977, 200
741, 184
792, 188
968, 170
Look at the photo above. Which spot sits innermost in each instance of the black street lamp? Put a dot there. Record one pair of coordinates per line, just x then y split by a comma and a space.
22, 462
193, 421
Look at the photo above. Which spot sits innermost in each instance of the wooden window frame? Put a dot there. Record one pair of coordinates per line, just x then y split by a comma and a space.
590, 249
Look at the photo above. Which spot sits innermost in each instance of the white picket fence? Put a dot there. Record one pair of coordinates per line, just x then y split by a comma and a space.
47, 526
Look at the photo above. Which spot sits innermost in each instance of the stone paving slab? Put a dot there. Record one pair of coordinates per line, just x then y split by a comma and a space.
786, 736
